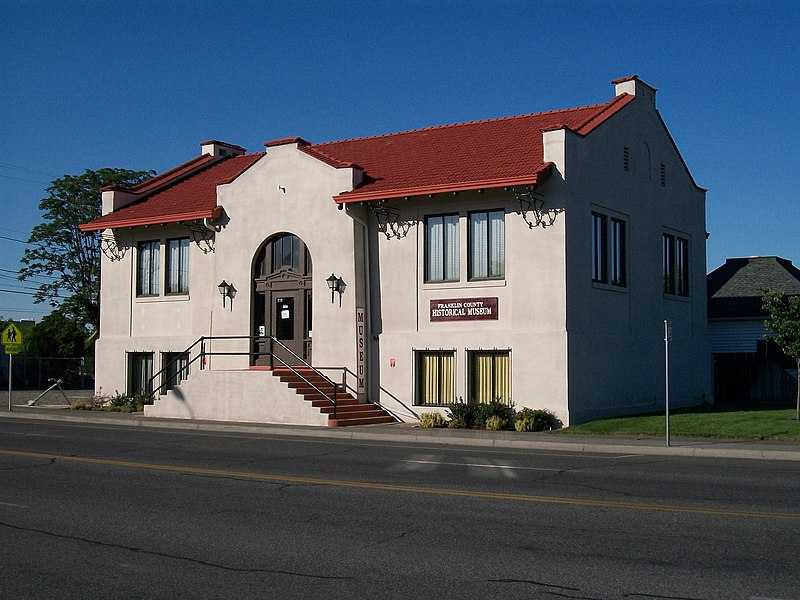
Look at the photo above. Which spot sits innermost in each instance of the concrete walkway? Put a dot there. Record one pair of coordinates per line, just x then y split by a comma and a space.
403, 432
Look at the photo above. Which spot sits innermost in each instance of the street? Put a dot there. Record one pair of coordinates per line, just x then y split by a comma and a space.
106, 511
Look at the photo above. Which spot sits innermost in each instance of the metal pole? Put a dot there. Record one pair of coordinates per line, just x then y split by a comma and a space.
666, 372
10, 362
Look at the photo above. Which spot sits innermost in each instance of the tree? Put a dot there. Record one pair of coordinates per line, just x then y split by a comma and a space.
57, 335
63, 252
784, 328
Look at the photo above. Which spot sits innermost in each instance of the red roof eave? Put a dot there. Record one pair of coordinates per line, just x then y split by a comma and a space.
102, 223
370, 196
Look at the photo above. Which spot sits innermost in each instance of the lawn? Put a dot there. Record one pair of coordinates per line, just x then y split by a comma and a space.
711, 422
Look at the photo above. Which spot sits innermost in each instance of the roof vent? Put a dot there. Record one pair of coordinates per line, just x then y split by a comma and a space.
220, 149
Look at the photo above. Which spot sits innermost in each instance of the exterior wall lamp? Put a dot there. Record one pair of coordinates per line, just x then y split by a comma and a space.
336, 285
226, 290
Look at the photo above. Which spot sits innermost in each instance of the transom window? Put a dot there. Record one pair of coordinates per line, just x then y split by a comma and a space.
442, 248
284, 251
487, 245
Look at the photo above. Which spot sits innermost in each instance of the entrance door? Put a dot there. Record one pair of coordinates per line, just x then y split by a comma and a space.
282, 302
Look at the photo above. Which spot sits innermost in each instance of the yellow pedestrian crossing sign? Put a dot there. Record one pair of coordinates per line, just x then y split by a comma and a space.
12, 339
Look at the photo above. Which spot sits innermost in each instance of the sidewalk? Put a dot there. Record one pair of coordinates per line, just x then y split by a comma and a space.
408, 433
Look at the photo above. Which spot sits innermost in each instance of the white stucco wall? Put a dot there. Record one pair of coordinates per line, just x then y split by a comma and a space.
616, 353
531, 308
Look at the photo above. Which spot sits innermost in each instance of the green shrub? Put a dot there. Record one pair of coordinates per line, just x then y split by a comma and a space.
99, 401
476, 414
457, 423
495, 408
119, 400
78, 405
462, 413
430, 420
495, 423
529, 419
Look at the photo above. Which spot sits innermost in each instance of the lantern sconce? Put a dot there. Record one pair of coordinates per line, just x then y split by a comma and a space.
226, 290
336, 285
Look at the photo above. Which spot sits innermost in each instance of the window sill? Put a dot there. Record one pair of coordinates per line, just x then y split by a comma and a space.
465, 285
677, 297
623, 289
168, 298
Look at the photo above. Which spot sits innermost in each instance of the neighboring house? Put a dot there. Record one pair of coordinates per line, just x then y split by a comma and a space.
746, 368
529, 259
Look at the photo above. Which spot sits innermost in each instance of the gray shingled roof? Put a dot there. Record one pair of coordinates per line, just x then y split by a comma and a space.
734, 289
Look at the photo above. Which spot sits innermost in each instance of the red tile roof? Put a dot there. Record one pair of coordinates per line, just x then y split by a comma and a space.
189, 198
466, 156
481, 154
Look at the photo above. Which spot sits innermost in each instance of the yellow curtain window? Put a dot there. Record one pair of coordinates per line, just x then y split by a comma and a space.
436, 377
491, 377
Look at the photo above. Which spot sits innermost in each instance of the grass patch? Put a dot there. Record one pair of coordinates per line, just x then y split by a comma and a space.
707, 422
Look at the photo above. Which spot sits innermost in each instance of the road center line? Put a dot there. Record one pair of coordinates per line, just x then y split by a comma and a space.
405, 488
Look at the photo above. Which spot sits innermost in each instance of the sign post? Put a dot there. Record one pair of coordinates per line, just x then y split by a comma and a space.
667, 338
12, 344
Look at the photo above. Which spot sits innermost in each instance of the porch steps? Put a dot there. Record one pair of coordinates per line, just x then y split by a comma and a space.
349, 411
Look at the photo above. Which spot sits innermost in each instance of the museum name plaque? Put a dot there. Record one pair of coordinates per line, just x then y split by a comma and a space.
464, 309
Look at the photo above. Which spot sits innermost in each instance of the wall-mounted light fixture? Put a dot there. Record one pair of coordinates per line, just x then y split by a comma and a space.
226, 290
336, 285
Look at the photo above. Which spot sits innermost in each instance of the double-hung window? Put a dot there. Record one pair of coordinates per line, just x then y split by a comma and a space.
487, 245
140, 371
609, 264
675, 253
442, 248
177, 281
147, 273
175, 368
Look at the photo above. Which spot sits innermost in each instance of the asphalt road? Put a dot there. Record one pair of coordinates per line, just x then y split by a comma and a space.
90, 511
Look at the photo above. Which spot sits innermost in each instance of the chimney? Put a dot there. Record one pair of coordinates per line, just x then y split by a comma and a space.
219, 149
635, 87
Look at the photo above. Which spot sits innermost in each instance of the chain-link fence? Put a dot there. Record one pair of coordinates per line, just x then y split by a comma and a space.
32, 373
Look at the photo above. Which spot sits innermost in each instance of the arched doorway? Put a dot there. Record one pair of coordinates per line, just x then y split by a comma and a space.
282, 303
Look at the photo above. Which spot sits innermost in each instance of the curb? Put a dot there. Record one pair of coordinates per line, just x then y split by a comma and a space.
405, 433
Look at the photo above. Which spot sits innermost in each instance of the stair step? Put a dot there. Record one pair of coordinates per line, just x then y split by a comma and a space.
338, 422
349, 411
351, 408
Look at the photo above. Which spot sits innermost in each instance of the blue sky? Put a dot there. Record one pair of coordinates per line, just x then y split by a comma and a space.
111, 83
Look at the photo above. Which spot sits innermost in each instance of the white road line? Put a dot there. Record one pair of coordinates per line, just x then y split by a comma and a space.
485, 466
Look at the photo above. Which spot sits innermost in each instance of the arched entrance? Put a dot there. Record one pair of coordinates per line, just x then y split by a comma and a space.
282, 300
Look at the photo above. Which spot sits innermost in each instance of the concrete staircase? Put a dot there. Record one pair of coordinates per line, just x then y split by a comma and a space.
349, 411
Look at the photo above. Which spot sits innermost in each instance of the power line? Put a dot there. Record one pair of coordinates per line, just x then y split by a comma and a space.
2, 237
24, 169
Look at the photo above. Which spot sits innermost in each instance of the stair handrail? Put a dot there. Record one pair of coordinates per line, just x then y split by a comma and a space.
201, 341
203, 353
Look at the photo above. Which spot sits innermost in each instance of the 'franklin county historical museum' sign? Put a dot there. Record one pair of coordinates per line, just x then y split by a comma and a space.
464, 309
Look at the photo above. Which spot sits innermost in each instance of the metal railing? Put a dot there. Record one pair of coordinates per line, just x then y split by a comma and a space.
204, 352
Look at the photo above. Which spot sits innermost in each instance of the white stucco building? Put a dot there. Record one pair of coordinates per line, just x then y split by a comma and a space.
530, 259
